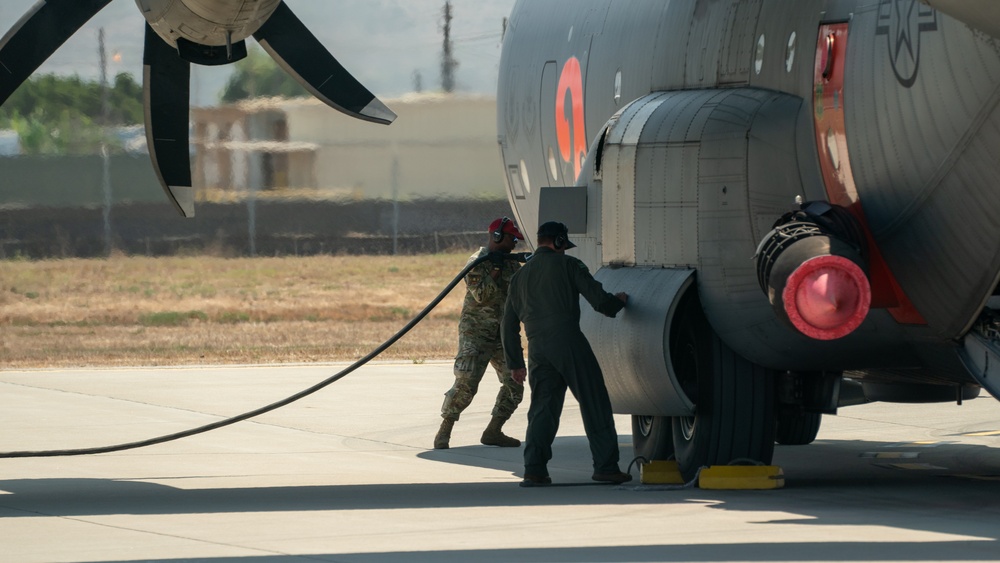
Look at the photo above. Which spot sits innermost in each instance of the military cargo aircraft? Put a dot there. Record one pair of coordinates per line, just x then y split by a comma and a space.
178, 33
800, 198
797, 195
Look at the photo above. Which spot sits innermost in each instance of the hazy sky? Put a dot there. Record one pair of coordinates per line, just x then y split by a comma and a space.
382, 42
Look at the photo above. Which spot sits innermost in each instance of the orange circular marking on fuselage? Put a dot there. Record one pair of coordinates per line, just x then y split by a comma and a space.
572, 143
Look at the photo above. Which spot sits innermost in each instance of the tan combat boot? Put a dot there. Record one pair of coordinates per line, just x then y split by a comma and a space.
492, 436
443, 436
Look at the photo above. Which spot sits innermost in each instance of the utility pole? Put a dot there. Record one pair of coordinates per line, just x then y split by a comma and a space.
105, 157
105, 106
448, 62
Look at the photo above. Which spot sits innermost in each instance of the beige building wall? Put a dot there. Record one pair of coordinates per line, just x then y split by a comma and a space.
439, 146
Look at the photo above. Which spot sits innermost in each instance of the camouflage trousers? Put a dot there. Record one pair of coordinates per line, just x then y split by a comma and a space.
470, 364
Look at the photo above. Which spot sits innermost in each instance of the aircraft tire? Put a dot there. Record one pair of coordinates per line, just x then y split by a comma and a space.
795, 428
734, 400
652, 437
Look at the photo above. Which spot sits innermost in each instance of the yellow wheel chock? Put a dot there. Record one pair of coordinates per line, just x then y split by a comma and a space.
732, 477
741, 477
660, 472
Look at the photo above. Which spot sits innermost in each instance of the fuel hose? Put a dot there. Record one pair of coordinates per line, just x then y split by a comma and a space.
520, 257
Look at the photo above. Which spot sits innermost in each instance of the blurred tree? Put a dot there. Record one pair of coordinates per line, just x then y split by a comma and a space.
258, 75
126, 100
62, 115
51, 95
66, 133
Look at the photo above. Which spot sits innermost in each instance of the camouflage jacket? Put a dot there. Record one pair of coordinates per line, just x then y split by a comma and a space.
485, 298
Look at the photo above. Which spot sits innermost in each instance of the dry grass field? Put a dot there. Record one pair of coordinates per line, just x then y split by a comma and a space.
131, 311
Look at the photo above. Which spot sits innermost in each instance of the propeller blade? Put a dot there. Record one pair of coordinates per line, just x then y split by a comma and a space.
37, 35
298, 51
166, 82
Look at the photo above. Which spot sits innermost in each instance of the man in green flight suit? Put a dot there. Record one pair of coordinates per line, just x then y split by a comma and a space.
479, 342
545, 296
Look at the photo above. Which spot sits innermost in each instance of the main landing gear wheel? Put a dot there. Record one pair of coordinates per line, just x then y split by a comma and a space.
652, 437
734, 399
796, 428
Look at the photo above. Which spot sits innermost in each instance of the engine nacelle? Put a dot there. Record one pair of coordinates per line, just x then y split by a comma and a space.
693, 180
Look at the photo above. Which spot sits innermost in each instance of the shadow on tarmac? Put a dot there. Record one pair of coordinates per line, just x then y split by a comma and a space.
820, 551
829, 483
815, 471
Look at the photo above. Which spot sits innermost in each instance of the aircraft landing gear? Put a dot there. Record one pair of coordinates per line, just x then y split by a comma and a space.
652, 438
796, 428
802, 399
734, 417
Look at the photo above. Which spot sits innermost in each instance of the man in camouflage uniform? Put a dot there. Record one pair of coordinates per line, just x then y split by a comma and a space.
479, 339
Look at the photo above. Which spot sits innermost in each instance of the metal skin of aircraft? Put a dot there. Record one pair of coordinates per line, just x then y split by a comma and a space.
798, 196
178, 33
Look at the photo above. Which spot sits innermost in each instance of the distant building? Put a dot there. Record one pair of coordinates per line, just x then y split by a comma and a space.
245, 146
132, 138
10, 143
439, 146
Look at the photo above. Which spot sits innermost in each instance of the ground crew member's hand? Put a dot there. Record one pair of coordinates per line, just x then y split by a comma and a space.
519, 375
621, 295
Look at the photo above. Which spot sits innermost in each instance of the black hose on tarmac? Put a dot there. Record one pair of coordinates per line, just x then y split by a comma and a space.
521, 257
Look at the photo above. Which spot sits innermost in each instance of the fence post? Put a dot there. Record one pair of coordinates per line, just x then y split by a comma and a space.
395, 204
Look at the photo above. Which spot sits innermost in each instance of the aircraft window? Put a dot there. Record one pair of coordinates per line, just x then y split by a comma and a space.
524, 177
553, 165
570, 37
515, 181
759, 56
790, 53
618, 87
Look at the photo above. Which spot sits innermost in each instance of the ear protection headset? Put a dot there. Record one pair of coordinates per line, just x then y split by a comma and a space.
559, 242
498, 234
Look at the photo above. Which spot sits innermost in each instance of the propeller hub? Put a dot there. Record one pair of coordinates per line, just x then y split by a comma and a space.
206, 22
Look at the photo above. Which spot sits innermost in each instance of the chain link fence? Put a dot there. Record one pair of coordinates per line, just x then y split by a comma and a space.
267, 228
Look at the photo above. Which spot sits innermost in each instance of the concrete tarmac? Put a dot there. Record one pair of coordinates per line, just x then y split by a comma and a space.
347, 475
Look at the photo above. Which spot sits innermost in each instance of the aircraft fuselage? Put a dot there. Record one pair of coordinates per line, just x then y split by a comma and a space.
695, 125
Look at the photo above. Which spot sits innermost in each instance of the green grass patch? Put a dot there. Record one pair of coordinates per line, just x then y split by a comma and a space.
171, 318
233, 317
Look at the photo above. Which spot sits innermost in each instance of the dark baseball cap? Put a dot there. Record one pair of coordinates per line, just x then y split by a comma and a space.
555, 229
